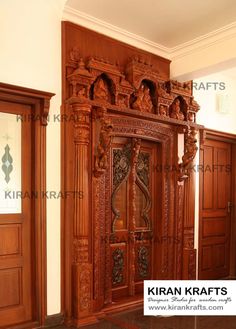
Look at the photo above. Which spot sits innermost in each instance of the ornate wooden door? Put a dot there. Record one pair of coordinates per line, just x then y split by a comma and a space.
133, 217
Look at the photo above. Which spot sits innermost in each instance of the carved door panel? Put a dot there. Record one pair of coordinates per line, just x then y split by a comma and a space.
133, 214
215, 210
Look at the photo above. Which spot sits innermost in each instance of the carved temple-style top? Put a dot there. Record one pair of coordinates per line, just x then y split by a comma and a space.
139, 88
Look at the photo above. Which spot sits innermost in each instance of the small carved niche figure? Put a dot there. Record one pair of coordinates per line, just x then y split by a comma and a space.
100, 90
191, 116
122, 100
81, 92
175, 110
143, 100
147, 101
163, 111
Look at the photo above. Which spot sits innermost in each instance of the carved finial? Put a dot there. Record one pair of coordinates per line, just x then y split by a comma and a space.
81, 64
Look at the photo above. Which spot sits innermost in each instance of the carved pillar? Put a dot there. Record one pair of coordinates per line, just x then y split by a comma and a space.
81, 267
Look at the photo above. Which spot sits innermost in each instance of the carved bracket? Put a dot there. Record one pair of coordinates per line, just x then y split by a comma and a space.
190, 150
105, 139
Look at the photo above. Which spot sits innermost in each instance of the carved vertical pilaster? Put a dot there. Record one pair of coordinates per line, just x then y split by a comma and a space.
82, 267
179, 230
187, 209
189, 253
132, 226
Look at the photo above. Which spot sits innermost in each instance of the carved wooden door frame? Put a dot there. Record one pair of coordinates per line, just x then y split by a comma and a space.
39, 101
136, 128
101, 99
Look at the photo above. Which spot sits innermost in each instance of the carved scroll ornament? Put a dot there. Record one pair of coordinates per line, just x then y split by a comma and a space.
118, 266
143, 262
121, 170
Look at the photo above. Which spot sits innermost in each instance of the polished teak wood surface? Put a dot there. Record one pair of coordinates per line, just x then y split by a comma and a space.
133, 214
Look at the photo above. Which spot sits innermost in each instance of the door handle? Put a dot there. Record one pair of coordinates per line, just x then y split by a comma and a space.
229, 207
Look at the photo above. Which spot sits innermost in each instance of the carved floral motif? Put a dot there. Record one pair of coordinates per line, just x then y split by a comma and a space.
143, 262
121, 169
118, 266
80, 250
143, 168
85, 288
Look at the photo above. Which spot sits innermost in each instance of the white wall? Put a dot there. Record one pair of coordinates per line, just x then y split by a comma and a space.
204, 55
30, 56
218, 103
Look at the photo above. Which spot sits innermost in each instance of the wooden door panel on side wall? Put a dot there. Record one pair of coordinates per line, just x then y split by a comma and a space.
15, 216
215, 193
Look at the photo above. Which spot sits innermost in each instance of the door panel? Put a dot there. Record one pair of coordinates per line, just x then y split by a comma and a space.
133, 215
215, 193
15, 216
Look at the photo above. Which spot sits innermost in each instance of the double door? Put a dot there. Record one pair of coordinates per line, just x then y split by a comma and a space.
134, 215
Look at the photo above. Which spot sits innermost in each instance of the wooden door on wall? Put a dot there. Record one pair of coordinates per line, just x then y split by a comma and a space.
215, 210
15, 215
133, 215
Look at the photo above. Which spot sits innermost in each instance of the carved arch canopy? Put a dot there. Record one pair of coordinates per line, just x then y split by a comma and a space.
138, 88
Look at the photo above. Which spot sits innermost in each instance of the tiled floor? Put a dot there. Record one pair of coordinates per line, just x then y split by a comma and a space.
136, 320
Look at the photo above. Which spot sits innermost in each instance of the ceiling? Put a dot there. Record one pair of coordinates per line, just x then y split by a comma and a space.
165, 22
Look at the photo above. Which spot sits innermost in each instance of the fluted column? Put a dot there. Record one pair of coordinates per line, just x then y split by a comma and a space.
81, 259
